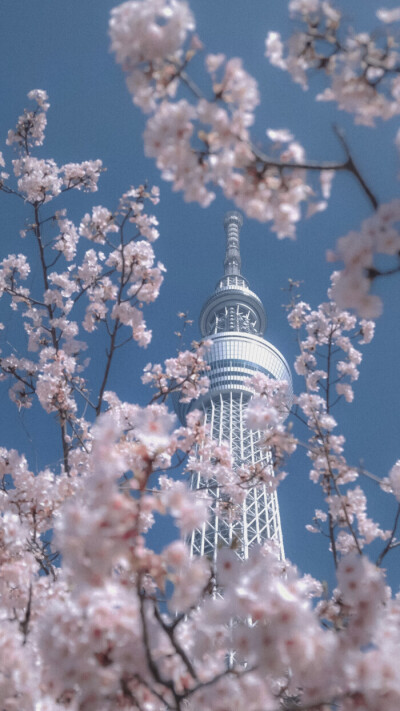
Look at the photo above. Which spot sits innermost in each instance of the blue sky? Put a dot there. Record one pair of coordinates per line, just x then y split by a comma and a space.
64, 48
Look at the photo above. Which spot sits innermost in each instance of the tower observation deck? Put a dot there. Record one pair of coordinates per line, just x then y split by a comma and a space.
234, 320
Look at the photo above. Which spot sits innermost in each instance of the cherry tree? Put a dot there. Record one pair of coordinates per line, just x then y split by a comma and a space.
92, 617
201, 141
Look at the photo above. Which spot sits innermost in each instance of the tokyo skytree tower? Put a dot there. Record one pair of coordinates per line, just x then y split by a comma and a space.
234, 320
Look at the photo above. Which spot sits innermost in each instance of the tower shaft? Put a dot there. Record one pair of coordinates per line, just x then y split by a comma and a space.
234, 320
259, 519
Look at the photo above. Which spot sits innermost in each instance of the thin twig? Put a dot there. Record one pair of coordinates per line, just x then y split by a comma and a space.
351, 166
390, 541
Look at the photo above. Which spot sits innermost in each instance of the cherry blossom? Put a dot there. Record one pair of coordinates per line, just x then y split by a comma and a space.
185, 374
202, 142
31, 125
93, 617
361, 68
39, 179
388, 15
148, 31
394, 478
82, 176
358, 250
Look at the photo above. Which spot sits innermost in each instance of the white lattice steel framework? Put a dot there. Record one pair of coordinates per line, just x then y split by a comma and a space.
234, 320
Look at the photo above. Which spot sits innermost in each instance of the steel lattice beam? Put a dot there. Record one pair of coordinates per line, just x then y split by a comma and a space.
234, 320
260, 519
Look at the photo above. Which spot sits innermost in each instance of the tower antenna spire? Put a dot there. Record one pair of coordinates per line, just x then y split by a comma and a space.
233, 222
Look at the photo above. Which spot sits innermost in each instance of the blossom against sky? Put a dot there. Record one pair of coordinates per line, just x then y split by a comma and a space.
64, 49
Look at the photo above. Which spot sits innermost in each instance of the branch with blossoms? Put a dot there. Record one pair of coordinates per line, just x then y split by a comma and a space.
116, 276
185, 376
359, 251
114, 623
362, 71
199, 142
103, 637
329, 362
362, 68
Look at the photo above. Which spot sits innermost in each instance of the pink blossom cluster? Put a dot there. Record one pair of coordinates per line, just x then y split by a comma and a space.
184, 374
329, 363
143, 34
41, 180
266, 413
199, 142
103, 287
213, 462
158, 28
28, 505
101, 536
92, 616
394, 480
98, 634
30, 128
379, 234
329, 327
362, 68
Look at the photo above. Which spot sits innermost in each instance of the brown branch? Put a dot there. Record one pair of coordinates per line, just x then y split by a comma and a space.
390, 540
129, 694
24, 624
110, 353
307, 165
352, 168
63, 421
169, 630
153, 668
113, 334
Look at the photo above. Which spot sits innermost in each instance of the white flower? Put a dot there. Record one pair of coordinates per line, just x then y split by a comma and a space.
388, 16
281, 135
394, 479
153, 427
148, 31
